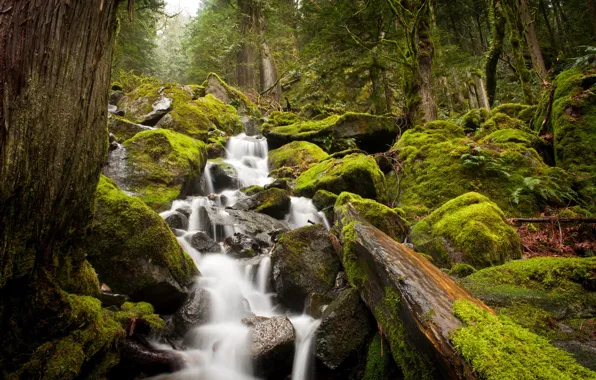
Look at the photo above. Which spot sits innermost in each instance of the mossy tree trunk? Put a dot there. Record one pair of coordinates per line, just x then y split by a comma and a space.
54, 78
245, 64
379, 103
267, 69
498, 22
529, 27
517, 47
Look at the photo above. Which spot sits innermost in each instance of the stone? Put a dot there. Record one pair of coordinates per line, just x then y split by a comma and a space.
202, 242
195, 311
272, 201
177, 220
241, 246
223, 175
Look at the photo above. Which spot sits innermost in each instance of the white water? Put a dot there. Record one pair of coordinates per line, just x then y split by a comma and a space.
220, 348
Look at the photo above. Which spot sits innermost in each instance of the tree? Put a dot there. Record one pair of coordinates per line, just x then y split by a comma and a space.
498, 21
54, 77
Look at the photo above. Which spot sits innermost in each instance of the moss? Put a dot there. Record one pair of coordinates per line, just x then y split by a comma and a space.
252, 190
162, 163
298, 154
356, 274
76, 275
461, 270
280, 119
122, 128
139, 311
384, 218
129, 243
412, 365
355, 172
236, 98
472, 120
523, 112
499, 349
323, 199
305, 129
273, 202
503, 137
284, 172
468, 229
500, 121
139, 102
377, 361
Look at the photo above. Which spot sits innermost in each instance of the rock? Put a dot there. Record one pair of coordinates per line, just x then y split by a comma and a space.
216, 150
469, 229
115, 97
185, 210
252, 125
372, 133
124, 129
280, 183
202, 242
316, 303
223, 175
194, 312
164, 165
112, 138
113, 146
138, 358
272, 345
177, 220
324, 201
215, 86
150, 102
299, 155
241, 246
133, 251
474, 118
356, 172
273, 202
304, 262
345, 327
390, 221
523, 112
110, 299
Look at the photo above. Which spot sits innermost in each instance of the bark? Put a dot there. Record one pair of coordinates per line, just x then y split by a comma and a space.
480, 91
473, 96
245, 64
426, 51
405, 292
551, 33
445, 85
461, 99
592, 7
379, 104
268, 71
517, 47
532, 39
387, 89
498, 23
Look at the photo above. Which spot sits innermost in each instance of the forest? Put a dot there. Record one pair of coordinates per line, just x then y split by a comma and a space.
298, 189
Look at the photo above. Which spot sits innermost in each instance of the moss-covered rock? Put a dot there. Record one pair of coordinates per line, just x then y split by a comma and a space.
304, 262
325, 201
215, 86
386, 219
272, 201
461, 270
356, 172
440, 163
500, 121
123, 129
472, 120
500, 349
298, 155
280, 119
134, 252
469, 229
573, 124
523, 112
378, 361
164, 165
150, 101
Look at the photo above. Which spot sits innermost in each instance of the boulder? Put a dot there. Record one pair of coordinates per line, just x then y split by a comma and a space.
371, 133
316, 304
223, 175
177, 220
324, 201
346, 325
390, 221
304, 262
272, 345
202, 242
472, 120
124, 129
273, 202
227, 94
115, 97
355, 172
195, 311
135, 253
299, 155
241, 246
164, 165
469, 229
148, 103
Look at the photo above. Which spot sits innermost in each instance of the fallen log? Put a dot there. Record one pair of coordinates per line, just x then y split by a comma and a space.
553, 220
411, 299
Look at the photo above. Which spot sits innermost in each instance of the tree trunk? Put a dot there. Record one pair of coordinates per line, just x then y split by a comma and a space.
551, 33
268, 71
379, 104
480, 91
245, 63
55, 60
473, 95
426, 51
524, 75
387, 90
460, 97
592, 8
445, 84
532, 40
498, 23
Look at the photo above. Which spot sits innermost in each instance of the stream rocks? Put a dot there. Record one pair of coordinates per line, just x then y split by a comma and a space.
177, 220
296, 156
304, 262
194, 312
241, 246
135, 253
271, 201
202, 242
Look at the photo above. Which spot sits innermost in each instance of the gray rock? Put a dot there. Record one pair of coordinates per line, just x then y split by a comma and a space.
241, 246
224, 176
272, 345
116, 97
304, 262
203, 243
194, 312
316, 304
177, 221
345, 327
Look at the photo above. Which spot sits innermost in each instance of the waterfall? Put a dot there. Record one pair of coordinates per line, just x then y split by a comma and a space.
220, 348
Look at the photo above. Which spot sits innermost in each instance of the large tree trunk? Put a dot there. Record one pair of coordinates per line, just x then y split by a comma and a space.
268, 70
379, 103
517, 47
426, 51
498, 23
532, 39
480, 91
551, 33
245, 63
592, 8
54, 78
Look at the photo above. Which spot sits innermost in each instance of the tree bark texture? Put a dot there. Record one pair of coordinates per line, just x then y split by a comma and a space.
245, 64
517, 47
480, 91
532, 39
54, 78
426, 51
498, 23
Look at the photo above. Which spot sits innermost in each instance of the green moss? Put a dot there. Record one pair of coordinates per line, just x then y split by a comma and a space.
298, 154
279, 119
306, 129
523, 112
237, 99
503, 137
252, 190
356, 172
461, 270
384, 218
356, 274
139, 102
472, 120
499, 349
469, 229
76, 275
128, 242
377, 361
412, 365
139, 311
500, 121
162, 162
273, 202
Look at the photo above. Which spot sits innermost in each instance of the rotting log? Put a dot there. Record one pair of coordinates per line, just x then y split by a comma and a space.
411, 299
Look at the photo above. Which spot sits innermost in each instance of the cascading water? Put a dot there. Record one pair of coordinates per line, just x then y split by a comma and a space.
219, 349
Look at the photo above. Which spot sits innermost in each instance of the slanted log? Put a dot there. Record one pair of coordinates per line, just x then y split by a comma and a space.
411, 299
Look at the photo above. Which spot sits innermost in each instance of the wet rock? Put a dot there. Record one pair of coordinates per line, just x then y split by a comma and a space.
325, 201
203, 243
178, 233
229, 95
186, 211
316, 303
273, 202
115, 97
224, 176
252, 125
272, 345
194, 312
345, 327
177, 220
241, 246
110, 299
139, 359
112, 138
280, 183
304, 262
113, 146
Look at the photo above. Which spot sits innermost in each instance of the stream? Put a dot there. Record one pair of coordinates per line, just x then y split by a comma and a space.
220, 348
